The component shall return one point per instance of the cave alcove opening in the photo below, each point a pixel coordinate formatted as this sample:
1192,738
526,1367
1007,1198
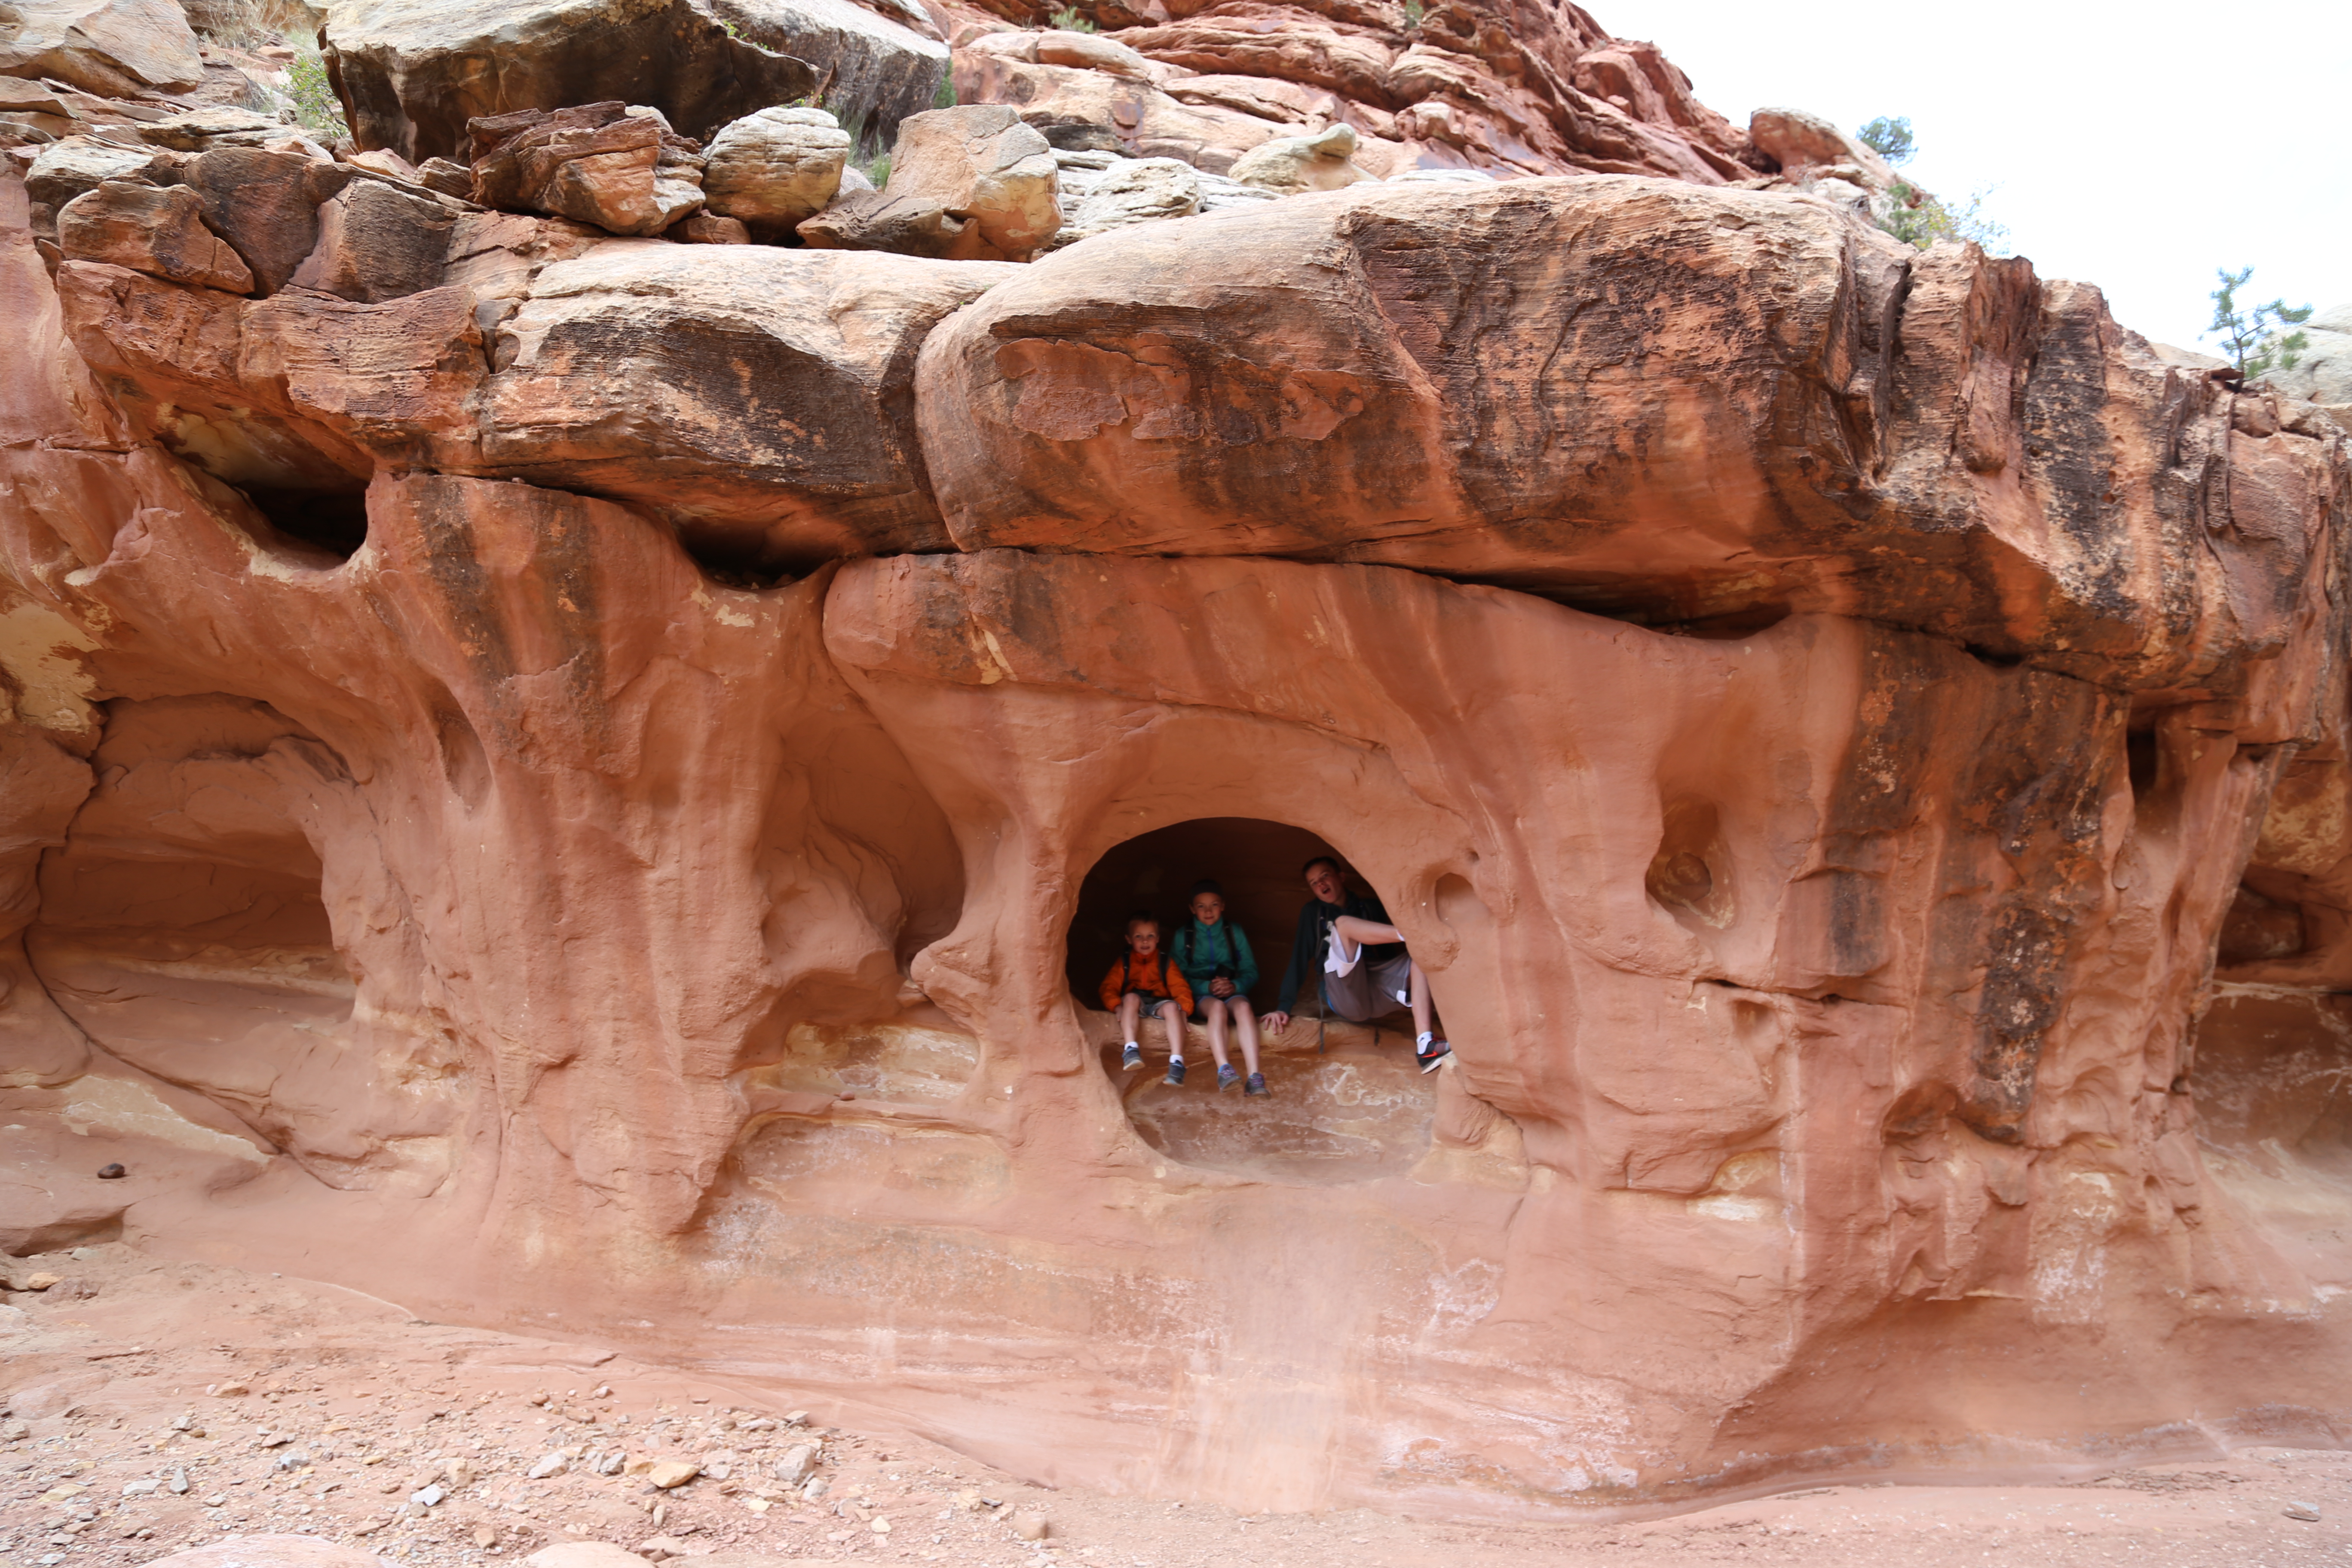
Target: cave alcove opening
334,521
184,926
1346,1102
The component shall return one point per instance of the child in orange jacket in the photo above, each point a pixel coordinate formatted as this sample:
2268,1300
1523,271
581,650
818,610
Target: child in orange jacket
1144,976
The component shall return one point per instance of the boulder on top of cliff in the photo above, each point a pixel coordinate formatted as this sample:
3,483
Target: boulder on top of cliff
2322,372
772,168
1132,191
67,168
1449,370
970,184
1078,109
605,164
446,175
221,125
762,397
1290,166
413,73
1060,47
1800,141
158,230
116,49
873,70
377,242
265,202
710,229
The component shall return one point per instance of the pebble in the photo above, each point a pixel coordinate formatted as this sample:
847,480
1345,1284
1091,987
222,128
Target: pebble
668,1474
2302,1510
1029,1526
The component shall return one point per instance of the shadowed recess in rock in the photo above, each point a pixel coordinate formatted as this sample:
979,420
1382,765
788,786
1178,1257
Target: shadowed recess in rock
1348,1101
1257,862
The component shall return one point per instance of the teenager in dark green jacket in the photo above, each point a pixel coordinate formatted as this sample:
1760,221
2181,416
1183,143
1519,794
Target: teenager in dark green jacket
1215,957
1347,947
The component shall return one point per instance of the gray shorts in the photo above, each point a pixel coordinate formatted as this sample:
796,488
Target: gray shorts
1369,990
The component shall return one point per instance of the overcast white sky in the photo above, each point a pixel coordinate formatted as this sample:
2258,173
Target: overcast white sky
2135,146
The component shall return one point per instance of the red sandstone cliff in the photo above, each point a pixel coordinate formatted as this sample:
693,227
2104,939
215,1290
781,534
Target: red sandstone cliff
583,757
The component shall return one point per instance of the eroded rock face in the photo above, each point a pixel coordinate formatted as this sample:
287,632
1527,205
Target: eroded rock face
542,745
599,163
971,184
414,74
763,398
109,46
1292,165
411,80
774,168
160,232
1133,191
1721,429
1528,90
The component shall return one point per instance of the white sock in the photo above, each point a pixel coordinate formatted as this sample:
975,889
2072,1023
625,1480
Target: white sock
1421,1041
1176,1058
1133,1046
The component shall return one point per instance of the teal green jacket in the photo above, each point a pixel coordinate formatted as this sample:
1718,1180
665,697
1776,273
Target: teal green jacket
1198,949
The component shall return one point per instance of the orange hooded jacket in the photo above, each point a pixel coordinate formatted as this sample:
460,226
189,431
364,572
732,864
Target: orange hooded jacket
1155,975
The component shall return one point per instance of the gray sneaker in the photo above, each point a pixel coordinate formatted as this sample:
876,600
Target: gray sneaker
1228,1078
1256,1085
1175,1074
1130,1058
1433,1058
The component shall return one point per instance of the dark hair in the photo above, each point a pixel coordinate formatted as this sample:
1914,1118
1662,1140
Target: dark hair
1330,861
1203,886
1146,917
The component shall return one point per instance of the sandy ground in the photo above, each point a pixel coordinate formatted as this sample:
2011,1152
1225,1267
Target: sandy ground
155,1405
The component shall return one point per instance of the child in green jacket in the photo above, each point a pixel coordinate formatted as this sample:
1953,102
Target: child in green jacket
1215,957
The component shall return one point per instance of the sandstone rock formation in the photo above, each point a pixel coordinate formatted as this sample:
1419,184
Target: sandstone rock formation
1795,140
1128,191
156,231
970,184
1525,88
772,168
1769,450
601,164
412,80
111,47
2323,369
569,776
1291,165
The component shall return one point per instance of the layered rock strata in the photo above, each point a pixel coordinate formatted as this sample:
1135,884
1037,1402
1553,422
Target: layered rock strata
581,758
411,81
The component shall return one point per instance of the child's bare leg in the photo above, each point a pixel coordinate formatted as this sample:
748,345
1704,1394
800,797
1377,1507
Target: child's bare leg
1421,1010
1173,1016
1366,933
1245,1025
1213,1009
1131,1013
